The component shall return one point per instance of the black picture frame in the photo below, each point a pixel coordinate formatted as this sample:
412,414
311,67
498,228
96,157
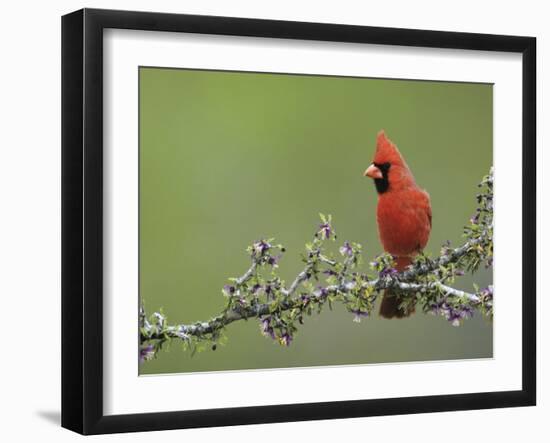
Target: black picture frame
82,220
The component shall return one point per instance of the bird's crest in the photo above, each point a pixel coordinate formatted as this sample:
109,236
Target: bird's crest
387,152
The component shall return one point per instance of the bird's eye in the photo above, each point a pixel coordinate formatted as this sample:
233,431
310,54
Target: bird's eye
383,166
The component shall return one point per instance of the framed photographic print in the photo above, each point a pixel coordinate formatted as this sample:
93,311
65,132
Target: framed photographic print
269,221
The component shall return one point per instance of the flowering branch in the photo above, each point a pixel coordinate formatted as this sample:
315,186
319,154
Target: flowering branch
260,293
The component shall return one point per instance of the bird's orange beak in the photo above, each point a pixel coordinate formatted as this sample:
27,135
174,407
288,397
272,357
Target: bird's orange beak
373,172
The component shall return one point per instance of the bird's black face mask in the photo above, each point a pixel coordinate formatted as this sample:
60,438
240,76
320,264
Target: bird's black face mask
382,184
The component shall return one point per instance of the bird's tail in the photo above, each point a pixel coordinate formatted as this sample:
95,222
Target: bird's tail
389,308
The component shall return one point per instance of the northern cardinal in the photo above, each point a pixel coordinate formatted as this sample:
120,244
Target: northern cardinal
403,214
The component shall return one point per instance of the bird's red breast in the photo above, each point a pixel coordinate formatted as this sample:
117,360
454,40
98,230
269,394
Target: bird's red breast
404,221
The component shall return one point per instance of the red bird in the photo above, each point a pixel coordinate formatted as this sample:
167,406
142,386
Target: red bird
403,214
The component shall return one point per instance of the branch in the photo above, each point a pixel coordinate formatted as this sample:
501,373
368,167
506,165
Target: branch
280,308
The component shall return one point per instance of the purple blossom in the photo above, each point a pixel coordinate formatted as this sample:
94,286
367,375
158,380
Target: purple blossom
487,292
326,230
446,247
329,272
437,308
146,353
453,314
459,272
266,328
273,260
229,290
256,289
388,272
457,314
321,292
376,262
358,314
260,247
467,311
454,317
346,249
285,339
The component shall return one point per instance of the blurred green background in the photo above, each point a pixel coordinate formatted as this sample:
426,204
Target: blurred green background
230,157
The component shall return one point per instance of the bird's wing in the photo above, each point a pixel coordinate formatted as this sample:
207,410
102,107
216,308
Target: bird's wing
427,205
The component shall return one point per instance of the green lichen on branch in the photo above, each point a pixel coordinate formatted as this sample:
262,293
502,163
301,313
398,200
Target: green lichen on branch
326,279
